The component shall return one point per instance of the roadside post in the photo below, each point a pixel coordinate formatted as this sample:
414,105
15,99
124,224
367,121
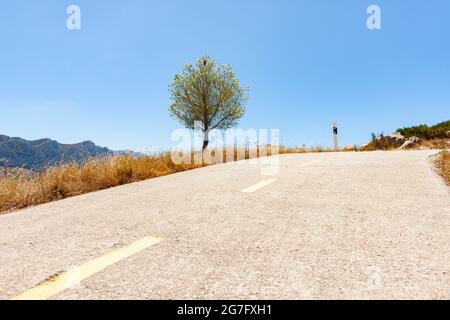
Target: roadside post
335,135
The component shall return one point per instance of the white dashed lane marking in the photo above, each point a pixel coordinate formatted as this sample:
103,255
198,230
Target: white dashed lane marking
258,186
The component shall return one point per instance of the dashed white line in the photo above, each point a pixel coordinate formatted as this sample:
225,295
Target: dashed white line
259,185
309,163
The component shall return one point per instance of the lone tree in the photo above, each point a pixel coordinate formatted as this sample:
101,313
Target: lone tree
210,93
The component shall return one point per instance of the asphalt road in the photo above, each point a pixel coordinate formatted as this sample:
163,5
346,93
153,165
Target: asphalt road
326,226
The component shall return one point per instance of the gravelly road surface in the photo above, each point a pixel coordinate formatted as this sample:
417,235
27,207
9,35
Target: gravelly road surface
331,226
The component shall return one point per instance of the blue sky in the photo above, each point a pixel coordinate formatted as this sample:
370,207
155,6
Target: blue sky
307,63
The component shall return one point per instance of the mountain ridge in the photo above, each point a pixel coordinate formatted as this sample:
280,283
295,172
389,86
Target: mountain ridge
16,152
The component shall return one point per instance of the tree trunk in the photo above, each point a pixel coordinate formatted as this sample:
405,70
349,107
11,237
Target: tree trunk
205,139
205,144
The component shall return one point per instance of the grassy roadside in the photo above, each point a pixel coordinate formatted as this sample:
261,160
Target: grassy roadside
442,163
23,188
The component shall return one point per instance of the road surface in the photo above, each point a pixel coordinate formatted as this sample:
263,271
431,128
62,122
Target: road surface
326,226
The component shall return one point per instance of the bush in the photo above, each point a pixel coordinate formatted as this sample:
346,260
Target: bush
382,142
439,131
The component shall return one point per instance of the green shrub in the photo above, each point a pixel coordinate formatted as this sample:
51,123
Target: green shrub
382,142
439,131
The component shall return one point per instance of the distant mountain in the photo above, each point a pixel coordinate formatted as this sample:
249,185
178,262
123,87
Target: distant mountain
38,154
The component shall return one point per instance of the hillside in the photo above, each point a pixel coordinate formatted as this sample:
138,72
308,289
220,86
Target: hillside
438,131
415,137
38,154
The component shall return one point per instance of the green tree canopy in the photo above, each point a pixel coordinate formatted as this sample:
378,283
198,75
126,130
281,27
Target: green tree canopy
208,92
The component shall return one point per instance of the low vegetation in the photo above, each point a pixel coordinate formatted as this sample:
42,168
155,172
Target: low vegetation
434,137
443,165
382,142
21,188
438,131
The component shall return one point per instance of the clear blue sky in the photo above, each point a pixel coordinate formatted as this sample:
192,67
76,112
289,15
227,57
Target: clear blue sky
306,63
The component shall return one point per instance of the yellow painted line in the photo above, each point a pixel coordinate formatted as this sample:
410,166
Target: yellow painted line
259,185
310,163
66,280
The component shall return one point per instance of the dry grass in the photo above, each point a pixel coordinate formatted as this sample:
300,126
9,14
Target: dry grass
443,165
21,188
313,149
434,144
386,143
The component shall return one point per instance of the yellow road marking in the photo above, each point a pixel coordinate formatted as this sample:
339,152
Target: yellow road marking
310,163
64,281
259,185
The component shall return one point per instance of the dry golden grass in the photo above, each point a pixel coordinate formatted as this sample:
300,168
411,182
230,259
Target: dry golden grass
22,188
388,143
443,165
313,149
434,144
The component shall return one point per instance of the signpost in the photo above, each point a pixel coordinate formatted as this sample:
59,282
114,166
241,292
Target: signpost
335,135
